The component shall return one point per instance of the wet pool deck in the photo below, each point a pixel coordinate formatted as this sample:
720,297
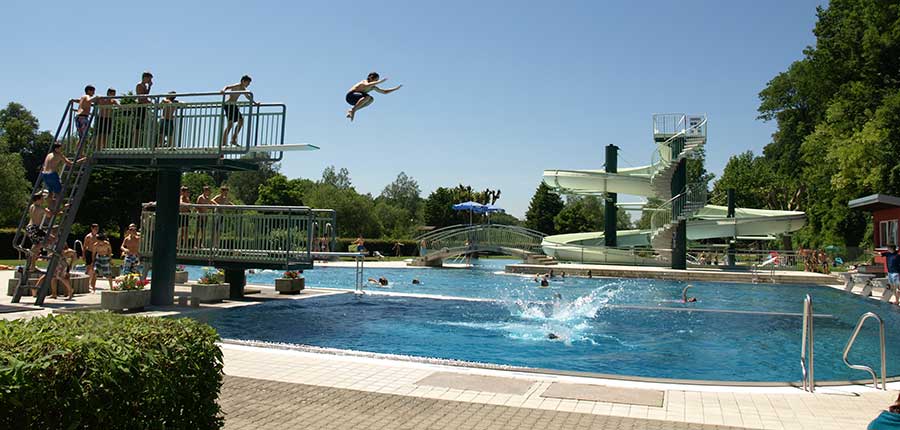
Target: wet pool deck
267,387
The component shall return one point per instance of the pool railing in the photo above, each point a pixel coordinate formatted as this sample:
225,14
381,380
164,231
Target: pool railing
255,236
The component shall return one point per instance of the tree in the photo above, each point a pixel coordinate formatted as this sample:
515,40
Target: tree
439,209
586,213
279,191
505,219
339,180
542,210
113,199
355,212
403,193
195,181
14,188
19,134
245,185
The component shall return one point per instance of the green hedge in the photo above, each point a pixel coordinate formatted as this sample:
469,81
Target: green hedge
386,247
100,370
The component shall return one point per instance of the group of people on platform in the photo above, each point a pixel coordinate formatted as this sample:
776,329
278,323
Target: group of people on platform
143,108
815,260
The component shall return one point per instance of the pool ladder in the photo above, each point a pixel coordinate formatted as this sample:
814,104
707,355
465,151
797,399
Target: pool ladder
806,360
807,354
859,325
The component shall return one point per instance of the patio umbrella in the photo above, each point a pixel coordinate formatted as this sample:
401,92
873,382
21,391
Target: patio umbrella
469,206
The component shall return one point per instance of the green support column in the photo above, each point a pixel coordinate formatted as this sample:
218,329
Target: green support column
237,279
679,238
729,259
609,215
165,237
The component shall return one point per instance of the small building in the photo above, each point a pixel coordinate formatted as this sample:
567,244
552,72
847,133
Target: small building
885,218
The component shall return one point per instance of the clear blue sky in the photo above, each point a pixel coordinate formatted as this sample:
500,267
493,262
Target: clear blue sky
494,91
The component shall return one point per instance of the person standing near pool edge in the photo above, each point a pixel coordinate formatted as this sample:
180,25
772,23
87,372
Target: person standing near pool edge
358,97
892,261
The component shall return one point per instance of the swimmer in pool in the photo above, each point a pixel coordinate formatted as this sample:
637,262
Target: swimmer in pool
552,336
416,281
544,283
685,298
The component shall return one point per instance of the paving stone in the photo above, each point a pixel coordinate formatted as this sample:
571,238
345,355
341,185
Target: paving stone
254,403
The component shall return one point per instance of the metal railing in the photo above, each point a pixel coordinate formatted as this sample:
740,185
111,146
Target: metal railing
850,342
193,126
676,128
281,235
807,360
469,238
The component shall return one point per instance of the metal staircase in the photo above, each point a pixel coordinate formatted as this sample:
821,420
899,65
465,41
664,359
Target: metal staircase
678,136
63,208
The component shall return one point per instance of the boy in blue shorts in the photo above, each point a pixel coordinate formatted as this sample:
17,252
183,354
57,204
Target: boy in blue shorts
50,171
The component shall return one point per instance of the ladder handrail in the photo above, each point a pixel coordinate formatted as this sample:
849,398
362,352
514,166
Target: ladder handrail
850,342
809,380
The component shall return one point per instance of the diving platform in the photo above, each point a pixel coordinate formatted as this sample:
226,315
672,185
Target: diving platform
242,237
170,134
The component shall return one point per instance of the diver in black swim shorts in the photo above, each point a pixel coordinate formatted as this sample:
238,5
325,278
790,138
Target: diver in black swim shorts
140,112
232,110
359,96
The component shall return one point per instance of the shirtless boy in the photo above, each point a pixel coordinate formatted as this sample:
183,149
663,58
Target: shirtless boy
131,246
202,199
37,213
232,110
359,96
89,240
184,207
102,255
50,171
103,123
167,122
142,88
222,200
83,115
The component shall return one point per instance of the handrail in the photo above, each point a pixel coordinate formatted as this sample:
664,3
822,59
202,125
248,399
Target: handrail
859,325
809,379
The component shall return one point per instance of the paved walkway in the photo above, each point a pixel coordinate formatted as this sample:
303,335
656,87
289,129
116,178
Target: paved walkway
749,407
260,404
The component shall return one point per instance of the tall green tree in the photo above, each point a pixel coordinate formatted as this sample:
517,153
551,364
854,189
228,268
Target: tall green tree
543,209
19,132
195,181
14,188
587,213
404,193
244,185
339,179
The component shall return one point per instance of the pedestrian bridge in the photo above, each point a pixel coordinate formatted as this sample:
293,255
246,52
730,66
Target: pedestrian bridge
462,240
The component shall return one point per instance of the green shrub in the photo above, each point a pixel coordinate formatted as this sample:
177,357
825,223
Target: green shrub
384,246
99,370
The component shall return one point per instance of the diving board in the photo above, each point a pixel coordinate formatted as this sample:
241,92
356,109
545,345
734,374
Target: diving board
284,148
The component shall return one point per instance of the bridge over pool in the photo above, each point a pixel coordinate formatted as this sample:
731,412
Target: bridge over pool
462,240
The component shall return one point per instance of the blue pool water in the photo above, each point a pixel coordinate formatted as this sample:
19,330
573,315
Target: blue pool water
632,327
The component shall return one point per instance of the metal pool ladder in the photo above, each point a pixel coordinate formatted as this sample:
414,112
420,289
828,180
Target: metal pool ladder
806,361
859,325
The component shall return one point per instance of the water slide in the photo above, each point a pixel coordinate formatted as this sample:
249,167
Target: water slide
710,222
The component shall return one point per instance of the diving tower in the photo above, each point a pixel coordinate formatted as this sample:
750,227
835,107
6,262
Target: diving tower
679,138
170,139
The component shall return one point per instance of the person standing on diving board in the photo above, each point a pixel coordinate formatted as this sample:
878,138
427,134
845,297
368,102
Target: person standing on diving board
359,96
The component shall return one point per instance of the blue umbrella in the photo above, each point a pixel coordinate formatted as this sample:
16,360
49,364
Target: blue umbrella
489,209
469,206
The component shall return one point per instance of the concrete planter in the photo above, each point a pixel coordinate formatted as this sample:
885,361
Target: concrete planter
209,293
132,300
290,286
181,276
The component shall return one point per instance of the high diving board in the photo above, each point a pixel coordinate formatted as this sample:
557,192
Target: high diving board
284,148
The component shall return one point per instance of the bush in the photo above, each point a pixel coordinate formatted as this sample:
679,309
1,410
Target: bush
99,370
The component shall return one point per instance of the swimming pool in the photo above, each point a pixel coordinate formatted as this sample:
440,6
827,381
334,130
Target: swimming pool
628,327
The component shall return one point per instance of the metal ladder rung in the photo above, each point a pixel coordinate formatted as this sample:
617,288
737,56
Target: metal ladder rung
850,342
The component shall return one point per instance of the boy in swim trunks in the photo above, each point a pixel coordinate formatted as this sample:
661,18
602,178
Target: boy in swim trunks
89,240
83,114
359,96
103,123
102,255
232,110
167,122
142,88
37,213
50,171
202,217
131,245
